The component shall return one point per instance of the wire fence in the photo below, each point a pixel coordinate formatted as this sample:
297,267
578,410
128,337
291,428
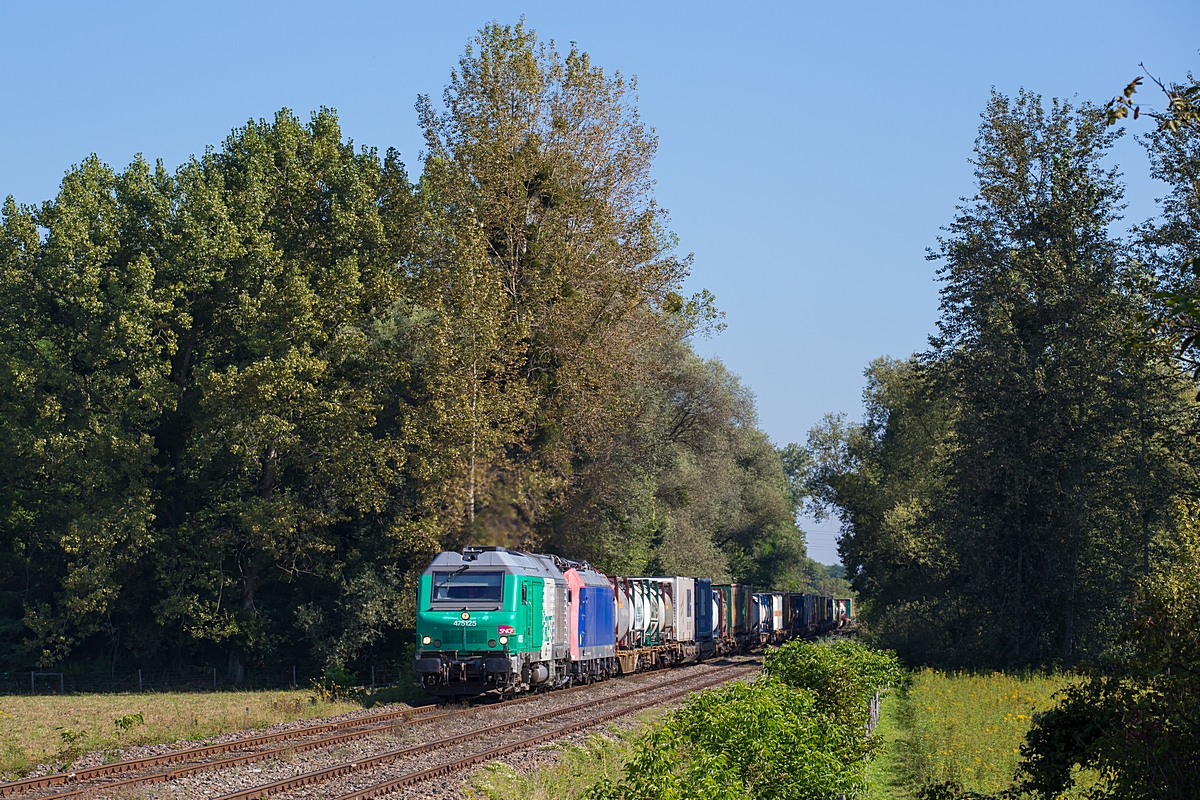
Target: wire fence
194,679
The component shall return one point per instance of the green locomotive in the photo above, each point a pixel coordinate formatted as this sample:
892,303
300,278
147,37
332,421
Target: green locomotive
489,619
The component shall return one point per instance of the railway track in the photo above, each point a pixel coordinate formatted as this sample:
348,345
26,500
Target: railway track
90,773
99,780
393,783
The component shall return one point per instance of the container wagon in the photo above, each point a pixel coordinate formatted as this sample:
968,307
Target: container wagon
736,631
662,628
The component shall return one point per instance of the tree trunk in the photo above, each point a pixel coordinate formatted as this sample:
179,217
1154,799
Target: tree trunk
237,670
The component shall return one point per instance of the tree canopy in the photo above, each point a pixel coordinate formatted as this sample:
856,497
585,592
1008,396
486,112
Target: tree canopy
244,402
1010,485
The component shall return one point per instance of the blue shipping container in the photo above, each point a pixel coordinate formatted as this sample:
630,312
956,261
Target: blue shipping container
597,623
704,609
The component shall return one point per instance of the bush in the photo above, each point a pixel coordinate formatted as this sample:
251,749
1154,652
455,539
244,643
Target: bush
336,683
843,674
1139,730
796,733
762,740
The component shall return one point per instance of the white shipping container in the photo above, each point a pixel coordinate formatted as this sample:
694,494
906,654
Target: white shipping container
684,590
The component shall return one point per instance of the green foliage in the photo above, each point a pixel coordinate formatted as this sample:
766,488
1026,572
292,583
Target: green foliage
1170,245
798,731
1009,486
1135,723
747,740
1183,105
885,477
336,683
842,675
1137,729
128,722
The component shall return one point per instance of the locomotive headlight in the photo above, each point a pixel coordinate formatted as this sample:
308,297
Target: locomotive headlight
437,642
491,642
465,615
503,640
426,639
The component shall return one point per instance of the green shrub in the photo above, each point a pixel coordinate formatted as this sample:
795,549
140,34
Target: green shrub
129,721
843,674
760,740
336,683
1139,730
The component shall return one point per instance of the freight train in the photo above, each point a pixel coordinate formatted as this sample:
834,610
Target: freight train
497,621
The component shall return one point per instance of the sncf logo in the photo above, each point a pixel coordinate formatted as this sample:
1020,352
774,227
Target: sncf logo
503,629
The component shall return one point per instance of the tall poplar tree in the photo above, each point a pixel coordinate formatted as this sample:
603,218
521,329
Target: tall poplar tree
547,161
1010,485
1066,455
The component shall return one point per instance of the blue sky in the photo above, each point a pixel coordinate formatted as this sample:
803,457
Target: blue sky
808,154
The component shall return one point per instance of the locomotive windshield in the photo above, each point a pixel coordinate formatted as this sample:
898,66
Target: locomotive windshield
469,586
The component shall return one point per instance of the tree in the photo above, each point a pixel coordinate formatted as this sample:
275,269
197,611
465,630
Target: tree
886,477
1022,465
1171,245
548,163
1137,727
1064,453
86,334
198,350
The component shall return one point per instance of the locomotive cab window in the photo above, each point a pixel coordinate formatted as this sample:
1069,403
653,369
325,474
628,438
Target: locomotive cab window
468,587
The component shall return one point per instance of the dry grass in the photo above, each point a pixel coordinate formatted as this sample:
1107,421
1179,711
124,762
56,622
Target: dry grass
56,729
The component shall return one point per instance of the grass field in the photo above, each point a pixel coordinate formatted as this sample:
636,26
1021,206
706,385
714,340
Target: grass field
579,767
965,729
886,775
56,729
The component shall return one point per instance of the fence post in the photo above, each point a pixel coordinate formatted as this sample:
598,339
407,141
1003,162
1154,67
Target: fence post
32,684
372,679
293,676
214,678
139,680
61,690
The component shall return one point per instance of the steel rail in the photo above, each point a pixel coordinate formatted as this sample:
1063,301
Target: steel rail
347,767
412,778
59,778
424,716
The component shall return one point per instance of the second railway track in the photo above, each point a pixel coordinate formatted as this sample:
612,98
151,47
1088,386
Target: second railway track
381,773
417,777
113,779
